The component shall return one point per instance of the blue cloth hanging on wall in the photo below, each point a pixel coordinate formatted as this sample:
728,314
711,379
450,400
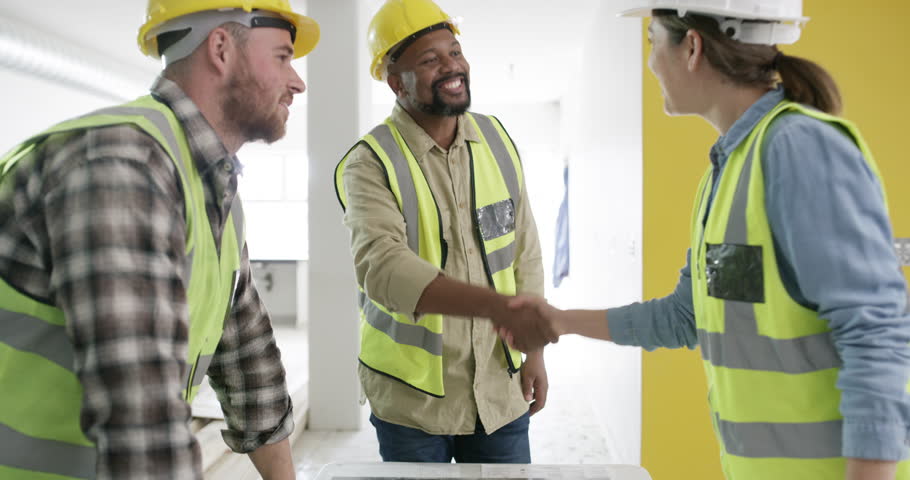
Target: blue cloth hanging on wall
561,258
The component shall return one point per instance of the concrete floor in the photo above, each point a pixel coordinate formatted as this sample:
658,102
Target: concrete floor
565,432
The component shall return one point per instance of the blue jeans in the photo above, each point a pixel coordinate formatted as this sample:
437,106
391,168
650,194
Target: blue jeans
509,444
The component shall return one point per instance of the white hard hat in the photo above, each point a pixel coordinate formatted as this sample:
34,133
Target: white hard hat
768,22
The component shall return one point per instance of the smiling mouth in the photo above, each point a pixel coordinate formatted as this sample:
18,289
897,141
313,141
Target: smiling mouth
453,85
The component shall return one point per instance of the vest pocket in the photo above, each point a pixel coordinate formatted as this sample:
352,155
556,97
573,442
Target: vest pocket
735,272
496,220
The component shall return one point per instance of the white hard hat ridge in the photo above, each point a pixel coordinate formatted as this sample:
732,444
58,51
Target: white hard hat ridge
768,22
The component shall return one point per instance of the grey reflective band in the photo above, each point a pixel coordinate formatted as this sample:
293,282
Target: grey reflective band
383,135
202,366
741,346
782,440
807,354
401,333
737,233
501,259
46,456
496,220
33,335
237,216
500,152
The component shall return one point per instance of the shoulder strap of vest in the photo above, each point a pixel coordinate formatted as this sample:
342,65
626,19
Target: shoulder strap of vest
844,124
146,113
504,150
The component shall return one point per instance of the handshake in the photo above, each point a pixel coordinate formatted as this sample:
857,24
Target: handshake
527,322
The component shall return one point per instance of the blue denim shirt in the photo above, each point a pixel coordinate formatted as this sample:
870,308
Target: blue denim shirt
835,255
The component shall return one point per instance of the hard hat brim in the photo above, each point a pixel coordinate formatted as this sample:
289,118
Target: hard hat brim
308,33
646,12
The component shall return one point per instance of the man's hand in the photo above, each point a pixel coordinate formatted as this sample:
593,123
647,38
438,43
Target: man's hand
862,469
529,323
534,382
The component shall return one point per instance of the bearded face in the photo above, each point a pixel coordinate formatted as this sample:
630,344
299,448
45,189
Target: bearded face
257,111
442,103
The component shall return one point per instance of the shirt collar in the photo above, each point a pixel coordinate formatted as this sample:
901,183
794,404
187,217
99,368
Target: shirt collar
205,145
744,125
420,142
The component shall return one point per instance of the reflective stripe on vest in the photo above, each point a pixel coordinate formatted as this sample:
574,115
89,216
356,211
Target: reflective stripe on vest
34,335
408,192
419,210
47,456
403,333
782,440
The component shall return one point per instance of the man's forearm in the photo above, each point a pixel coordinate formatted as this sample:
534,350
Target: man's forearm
452,297
274,461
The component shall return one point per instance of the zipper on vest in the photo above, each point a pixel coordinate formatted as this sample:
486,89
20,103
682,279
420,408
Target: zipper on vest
483,252
191,377
511,368
696,262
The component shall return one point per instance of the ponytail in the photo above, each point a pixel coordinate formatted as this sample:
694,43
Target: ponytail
808,83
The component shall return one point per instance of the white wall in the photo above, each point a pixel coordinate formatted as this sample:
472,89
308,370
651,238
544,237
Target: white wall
31,104
336,71
601,137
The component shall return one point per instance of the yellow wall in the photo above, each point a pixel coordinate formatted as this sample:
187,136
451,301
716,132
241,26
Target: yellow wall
865,47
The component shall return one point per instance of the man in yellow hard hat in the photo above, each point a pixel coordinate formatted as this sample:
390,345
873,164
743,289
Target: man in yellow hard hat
442,237
124,273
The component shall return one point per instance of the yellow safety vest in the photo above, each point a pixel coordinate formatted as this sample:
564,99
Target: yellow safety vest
40,406
390,343
770,362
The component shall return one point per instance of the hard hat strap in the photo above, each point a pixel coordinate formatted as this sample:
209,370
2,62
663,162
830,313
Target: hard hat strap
194,28
407,41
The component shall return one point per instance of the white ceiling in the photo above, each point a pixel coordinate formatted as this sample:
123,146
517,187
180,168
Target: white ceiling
520,50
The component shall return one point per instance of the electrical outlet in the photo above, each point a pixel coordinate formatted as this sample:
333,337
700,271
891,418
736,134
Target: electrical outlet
902,247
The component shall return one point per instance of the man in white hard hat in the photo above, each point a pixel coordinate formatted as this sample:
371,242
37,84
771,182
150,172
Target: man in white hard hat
442,236
124,273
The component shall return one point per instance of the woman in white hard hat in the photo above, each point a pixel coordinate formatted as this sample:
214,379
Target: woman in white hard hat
791,288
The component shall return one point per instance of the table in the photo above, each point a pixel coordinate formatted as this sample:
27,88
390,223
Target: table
477,471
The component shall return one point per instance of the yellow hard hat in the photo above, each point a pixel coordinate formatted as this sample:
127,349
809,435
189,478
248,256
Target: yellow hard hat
397,20
161,11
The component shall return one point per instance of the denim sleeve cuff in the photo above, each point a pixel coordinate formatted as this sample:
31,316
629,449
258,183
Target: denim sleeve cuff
621,326
875,440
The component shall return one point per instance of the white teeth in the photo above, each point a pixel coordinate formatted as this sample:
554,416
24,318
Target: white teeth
453,84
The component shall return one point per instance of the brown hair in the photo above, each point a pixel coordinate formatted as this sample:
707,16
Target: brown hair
749,64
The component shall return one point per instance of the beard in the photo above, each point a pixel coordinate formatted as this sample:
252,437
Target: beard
439,107
247,107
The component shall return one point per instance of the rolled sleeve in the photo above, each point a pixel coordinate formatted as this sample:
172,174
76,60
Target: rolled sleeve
386,268
247,374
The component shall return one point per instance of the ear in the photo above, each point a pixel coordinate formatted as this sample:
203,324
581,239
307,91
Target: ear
694,50
220,50
394,82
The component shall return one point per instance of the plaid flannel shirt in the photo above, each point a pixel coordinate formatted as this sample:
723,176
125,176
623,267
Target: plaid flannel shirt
93,223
